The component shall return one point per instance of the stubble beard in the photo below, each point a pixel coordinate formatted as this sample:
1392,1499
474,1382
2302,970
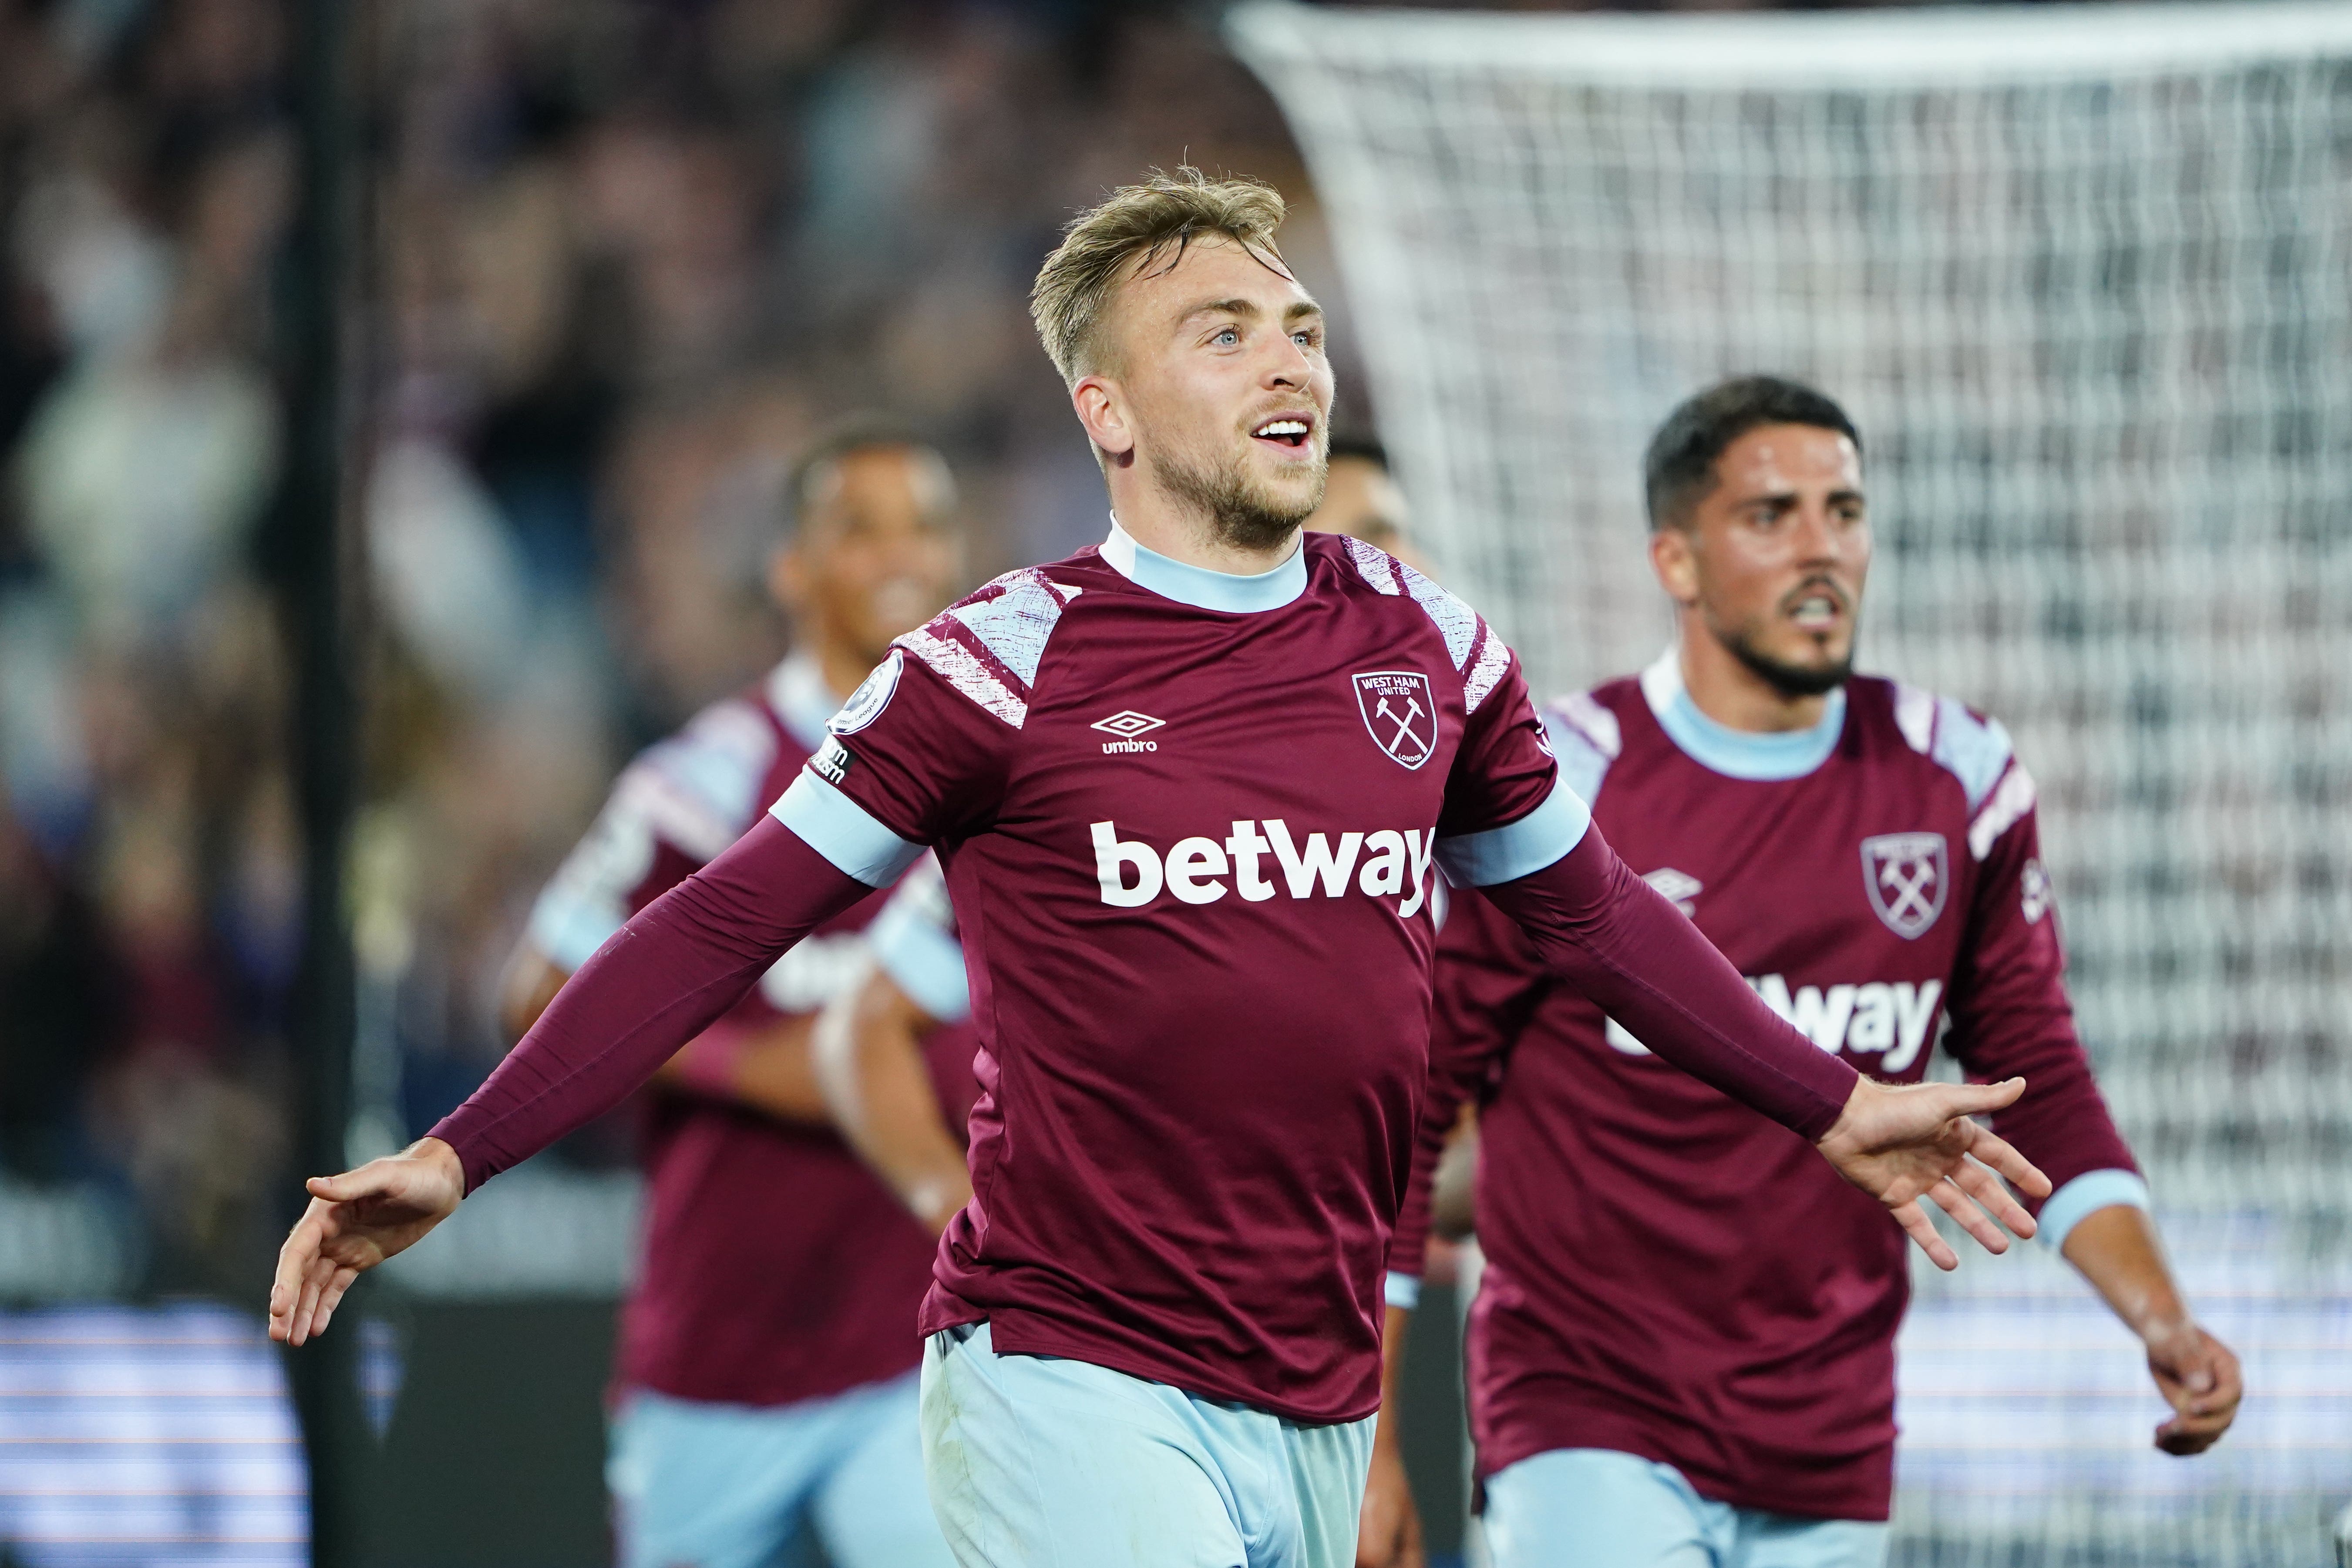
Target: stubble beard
1243,514
1790,680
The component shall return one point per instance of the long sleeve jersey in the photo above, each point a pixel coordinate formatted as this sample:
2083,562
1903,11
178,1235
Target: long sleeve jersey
1667,1274
1191,825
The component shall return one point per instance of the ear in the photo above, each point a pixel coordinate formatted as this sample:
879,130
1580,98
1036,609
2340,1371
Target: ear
788,583
1102,409
1674,556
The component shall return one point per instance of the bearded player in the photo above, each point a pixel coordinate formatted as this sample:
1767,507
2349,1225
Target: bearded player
765,1381
1191,789
1669,1368
879,1044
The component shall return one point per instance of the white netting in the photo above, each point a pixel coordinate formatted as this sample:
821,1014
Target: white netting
2083,276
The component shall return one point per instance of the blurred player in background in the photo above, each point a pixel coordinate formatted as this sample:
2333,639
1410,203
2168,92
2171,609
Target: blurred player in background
766,1370
1669,1367
1190,788
1360,499
878,1043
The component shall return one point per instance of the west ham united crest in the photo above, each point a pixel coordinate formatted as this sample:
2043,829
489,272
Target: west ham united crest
1905,875
1399,712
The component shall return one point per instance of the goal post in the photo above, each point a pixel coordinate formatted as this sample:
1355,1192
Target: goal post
2083,276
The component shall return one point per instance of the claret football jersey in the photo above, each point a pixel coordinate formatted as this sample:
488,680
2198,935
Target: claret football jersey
1193,825
1668,1273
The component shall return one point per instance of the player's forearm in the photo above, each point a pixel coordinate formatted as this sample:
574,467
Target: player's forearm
870,1068
2117,1250
766,1066
1613,936
1409,1244
907,1143
1454,1198
672,971
1389,1432
529,984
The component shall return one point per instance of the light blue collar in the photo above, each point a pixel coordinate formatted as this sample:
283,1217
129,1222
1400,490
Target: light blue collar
1197,586
1757,756
798,692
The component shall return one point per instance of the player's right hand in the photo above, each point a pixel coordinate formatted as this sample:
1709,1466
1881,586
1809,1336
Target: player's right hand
2200,1378
1901,1142
354,1221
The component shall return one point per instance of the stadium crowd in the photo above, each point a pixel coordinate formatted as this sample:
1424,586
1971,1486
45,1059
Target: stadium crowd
620,261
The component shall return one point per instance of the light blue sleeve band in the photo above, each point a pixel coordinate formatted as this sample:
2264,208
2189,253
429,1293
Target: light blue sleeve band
2071,1205
838,828
926,961
1520,850
1401,1291
569,929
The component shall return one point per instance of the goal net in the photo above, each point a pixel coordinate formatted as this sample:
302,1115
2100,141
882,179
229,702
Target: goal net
2083,276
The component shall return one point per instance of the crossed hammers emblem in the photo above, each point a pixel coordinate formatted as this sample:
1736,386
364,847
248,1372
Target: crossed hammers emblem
1404,725
1910,894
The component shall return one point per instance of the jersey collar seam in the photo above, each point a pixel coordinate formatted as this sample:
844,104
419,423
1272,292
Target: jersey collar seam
1226,592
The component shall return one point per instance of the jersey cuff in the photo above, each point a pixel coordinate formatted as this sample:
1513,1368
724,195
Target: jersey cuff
1521,848
569,930
1401,1291
926,963
838,828
2071,1205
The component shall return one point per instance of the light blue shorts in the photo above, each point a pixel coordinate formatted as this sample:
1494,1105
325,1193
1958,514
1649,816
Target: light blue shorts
1040,1462
1594,1507
735,1486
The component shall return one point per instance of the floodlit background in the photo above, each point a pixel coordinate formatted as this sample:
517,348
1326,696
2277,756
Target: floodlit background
613,261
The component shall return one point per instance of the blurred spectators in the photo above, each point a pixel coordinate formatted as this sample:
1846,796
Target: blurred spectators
621,258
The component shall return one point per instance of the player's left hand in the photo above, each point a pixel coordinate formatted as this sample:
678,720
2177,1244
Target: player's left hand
1901,1142
2199,1377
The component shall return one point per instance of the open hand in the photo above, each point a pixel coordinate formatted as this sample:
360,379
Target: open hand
2199,1376
354,1221
1901,1142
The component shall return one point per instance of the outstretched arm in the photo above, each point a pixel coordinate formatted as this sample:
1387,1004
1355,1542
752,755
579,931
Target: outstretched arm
767,1065
1607,931
665,977
681,963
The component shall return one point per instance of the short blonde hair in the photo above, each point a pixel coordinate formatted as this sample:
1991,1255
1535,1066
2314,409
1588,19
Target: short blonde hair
1139,221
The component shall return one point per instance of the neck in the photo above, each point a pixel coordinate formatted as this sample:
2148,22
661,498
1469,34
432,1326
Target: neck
843,663
1733,695
1182,531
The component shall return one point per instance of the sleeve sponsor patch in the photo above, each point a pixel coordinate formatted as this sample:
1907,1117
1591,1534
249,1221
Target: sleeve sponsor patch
832,761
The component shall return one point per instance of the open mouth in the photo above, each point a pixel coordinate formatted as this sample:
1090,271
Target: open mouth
1291,430
1817,610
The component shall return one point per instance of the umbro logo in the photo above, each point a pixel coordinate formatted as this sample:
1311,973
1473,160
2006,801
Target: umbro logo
1129,727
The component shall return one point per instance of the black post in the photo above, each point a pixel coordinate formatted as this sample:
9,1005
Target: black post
316,580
